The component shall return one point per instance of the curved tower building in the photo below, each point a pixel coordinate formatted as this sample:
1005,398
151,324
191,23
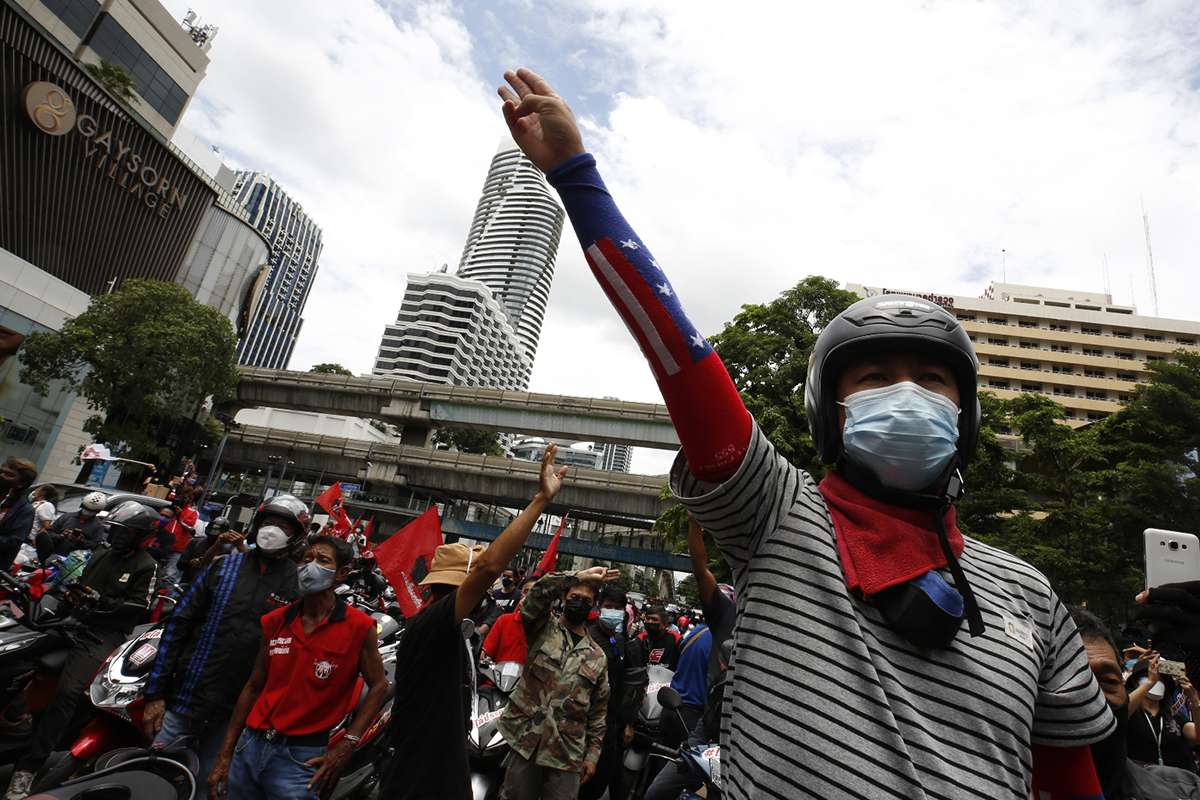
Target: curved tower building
513,241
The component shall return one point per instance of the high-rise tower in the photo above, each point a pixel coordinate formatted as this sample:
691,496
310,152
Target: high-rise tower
295,247
513,241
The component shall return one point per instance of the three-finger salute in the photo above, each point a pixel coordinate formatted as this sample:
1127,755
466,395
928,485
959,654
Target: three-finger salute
541,123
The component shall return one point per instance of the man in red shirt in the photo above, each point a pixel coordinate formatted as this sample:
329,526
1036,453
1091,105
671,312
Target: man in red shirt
506,640
304,683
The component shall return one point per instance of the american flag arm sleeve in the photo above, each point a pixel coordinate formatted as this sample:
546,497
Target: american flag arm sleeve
709,416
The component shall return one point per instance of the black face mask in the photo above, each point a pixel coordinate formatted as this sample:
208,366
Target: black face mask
1109,756
576,610
122,540
653,628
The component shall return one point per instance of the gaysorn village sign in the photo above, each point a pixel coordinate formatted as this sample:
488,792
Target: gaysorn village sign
52,111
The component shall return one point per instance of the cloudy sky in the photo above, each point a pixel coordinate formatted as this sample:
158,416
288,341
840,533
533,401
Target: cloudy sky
751,144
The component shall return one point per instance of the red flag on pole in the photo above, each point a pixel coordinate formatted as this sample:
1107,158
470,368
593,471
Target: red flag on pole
551,557
404,558
331,500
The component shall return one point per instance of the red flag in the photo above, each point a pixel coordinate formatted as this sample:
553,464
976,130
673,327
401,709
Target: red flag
551,557
405,558
331,500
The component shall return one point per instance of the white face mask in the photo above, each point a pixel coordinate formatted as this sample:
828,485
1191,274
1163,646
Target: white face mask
1157,691
271,539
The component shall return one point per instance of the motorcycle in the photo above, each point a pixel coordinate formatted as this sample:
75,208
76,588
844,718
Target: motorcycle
701,762
486,748
116,691
646,731
133,773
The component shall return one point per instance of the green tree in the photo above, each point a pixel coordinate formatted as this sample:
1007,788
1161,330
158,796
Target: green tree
329,368
687,593
467,440
766,349
145,358
114,78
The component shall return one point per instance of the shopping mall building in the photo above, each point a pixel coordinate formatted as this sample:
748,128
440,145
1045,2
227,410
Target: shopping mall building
92,192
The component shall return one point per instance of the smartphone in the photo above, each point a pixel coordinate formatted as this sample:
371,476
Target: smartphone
1171,557
1176,669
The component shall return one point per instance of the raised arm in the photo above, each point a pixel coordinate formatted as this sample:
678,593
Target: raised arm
493,561
706,582
713,425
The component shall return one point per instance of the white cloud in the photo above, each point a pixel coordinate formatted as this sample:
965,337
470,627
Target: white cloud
902,144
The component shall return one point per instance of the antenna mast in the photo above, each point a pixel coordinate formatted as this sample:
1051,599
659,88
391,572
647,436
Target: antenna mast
1150,259
1003,265
1107,285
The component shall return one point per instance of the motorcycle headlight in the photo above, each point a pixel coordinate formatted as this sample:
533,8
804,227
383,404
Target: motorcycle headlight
112,696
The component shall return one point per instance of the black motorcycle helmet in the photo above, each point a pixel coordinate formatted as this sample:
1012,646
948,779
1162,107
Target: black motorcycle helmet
139,518
220,525
890,320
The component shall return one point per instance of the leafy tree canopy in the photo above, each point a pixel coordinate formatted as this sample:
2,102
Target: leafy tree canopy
329,368
145,358
115,78
469,441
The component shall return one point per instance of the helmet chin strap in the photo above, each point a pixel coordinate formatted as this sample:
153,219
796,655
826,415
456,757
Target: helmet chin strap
952,487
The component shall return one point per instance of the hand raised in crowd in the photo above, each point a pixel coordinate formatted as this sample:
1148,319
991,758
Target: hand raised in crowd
551,479
598,574
1172,613
540,121
329,766
1189,691
1152,672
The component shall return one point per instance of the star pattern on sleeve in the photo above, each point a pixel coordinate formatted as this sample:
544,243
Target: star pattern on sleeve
630,244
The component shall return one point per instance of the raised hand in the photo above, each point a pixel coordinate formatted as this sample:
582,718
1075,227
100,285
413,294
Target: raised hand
550,480
598,574
541,123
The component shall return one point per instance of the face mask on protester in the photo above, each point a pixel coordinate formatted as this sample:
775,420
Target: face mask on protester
122,540
271,539
612,619
653,628
576,609
313,578
904,433
1157,691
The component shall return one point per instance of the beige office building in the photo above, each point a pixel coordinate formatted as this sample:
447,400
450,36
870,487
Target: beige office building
1079,348
166,58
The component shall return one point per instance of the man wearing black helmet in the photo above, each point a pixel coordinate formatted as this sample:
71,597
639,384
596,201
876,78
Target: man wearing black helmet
111,596
867,571
202,660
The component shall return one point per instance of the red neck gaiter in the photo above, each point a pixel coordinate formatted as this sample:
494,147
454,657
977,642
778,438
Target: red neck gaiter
882,545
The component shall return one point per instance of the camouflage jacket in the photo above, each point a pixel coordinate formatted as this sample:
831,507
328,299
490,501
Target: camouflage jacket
558,708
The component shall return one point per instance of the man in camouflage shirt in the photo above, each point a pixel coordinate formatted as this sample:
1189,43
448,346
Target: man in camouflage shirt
554,721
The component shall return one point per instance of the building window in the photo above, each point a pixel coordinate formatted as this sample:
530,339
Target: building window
1152,337
1122,334
1122,398
1031,387
1056,326
997,320
1090,331
997,362
1094,395
76,14
998,341
1096,416
1183,341
1126,376
1064,391
114,44
1026,323
1093,373
965,317
1123,354
997,384
1030,365
1029,345
1061,369
1060,348
1093,351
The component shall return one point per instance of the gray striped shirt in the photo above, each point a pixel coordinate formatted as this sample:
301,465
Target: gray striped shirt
826,701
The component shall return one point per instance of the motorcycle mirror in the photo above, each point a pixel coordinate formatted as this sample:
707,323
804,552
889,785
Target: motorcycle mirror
467,628
669,699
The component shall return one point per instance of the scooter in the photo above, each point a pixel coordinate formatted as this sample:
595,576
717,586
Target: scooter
133,774
702,762
646,730
486,748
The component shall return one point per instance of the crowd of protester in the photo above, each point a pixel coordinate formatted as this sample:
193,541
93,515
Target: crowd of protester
869,648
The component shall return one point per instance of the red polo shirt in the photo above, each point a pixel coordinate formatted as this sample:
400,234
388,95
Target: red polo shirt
313,680
506,640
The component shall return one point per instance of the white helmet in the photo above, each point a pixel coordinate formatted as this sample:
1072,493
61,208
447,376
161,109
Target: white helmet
95,502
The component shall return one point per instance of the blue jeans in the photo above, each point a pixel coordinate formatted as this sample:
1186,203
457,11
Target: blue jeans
204,740
266,770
